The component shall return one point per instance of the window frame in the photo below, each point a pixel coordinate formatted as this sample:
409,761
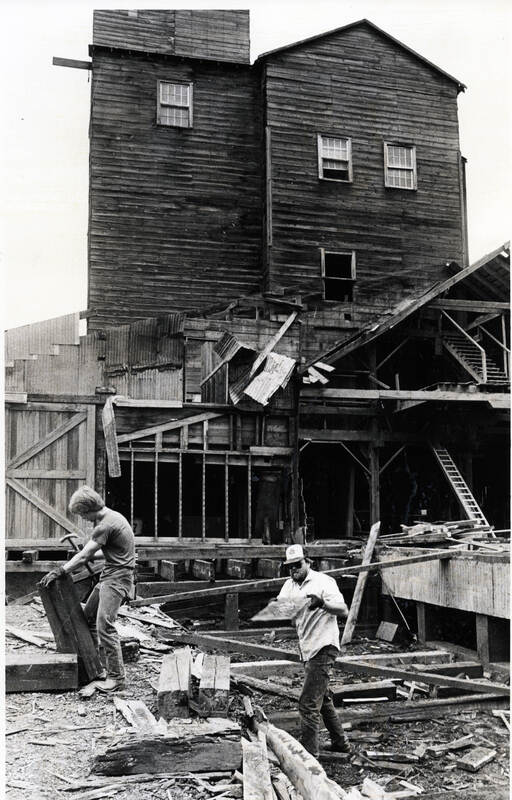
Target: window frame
412,169
352,253
160,105
348,140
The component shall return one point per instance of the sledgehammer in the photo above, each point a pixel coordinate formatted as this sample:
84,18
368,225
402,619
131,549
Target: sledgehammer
70,537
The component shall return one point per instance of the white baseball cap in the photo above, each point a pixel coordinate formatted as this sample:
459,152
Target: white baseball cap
294,553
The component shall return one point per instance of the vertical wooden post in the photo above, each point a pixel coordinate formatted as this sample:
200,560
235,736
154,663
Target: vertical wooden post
203,500
504,340
349,522
249,498
231,612
361,583
132,483
482,638
180,495
158,446
422,622
374,484
226,498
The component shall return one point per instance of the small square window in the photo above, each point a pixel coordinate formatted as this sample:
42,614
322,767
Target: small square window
338,275
174,104
334,158
399,166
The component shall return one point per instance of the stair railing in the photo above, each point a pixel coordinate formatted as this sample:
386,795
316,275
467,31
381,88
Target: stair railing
506,351
466,334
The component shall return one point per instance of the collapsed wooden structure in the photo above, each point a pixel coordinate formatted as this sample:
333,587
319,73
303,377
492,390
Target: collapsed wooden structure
237,390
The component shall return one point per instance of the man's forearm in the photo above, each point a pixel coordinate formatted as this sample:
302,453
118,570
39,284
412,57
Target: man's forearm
75,562
339,609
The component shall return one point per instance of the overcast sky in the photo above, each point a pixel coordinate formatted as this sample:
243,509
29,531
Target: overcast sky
46,115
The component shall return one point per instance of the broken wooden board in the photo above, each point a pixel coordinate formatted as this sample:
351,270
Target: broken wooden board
213,697
174,684
437,750
476,759
257,669
188,746
137,714
362,578
41,672
256,771
366,668
387,631
225,645
69,626
25,636
398,711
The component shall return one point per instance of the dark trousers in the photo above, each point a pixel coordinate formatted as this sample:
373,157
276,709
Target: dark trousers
101,611
315,702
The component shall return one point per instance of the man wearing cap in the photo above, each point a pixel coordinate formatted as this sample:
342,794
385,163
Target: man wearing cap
316,602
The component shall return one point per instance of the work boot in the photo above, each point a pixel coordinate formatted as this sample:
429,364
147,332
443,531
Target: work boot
110,685
340,745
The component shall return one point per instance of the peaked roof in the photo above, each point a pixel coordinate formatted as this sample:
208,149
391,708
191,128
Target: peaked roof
460,86
403,310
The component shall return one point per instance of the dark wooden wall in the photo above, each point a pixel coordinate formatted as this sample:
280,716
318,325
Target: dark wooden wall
175,213
213,34
359,84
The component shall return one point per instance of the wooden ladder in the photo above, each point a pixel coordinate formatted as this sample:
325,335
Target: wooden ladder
459,485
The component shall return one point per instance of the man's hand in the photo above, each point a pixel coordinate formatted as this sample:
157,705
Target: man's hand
52,576
315,602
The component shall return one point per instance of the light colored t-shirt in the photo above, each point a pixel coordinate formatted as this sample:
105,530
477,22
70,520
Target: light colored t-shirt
117,541
316,628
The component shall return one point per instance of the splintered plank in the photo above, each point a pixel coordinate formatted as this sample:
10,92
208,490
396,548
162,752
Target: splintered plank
214,687
69,626
40,672
194,746
137,714
256,771
174,684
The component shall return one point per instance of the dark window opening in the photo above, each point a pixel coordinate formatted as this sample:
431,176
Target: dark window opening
339,272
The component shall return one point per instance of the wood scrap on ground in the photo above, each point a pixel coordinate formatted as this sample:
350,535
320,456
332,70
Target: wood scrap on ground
40,672
174,684
476,759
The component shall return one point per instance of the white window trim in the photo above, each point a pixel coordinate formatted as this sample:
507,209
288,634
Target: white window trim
325,277
412,169
320,136
161,105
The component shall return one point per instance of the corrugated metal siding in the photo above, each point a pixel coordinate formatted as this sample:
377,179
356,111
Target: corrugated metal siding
357,84
41,337
212,34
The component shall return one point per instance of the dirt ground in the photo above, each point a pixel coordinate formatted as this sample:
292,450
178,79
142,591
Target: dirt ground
51,738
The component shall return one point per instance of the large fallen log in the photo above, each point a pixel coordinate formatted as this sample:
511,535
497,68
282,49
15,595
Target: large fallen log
303,770
275,583
188,746
256,771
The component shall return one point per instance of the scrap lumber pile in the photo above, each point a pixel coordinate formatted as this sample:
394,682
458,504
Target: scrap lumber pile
467,531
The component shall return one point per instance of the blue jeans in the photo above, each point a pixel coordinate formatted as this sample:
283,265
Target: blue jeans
101,611
316,703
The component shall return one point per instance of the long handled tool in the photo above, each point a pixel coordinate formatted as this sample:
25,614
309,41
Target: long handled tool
70,537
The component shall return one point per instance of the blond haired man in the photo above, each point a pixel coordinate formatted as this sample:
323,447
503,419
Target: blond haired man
113,535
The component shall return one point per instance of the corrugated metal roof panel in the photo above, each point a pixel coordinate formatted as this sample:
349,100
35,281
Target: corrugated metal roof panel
275,375
40,337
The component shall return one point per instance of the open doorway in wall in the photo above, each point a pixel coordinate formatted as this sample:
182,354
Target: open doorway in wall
333,493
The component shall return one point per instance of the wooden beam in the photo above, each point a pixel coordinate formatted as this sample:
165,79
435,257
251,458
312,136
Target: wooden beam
47,440
36,501
437,395
172,425
477,306
40,672
365,668
69,626
276,583
71,62
174,684
273,341
360,586
344,435
482,638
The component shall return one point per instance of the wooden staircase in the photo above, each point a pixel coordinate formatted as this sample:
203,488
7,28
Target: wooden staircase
459,485
473,359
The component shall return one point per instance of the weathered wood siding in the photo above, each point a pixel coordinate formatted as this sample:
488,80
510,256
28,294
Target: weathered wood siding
360,85
174,213
470,583
213,34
